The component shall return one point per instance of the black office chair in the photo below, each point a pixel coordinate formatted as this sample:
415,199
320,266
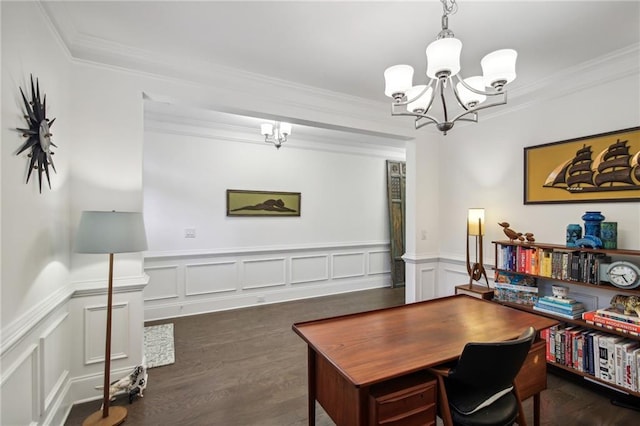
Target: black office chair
479,389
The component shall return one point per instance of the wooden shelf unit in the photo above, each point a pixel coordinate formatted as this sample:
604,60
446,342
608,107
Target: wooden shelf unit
577,322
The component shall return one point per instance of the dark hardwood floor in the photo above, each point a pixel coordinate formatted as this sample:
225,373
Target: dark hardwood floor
246,367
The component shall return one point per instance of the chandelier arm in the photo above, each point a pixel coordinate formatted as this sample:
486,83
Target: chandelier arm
444,102
407,101
411,114
480,92
417,116
481,106
457,95
421,125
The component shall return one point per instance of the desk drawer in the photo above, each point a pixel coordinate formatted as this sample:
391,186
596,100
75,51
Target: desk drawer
407,401
532,377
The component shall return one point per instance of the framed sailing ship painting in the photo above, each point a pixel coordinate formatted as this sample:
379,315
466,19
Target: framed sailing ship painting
598,168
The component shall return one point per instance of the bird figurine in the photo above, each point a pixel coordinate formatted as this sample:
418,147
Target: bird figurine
529,237
510,233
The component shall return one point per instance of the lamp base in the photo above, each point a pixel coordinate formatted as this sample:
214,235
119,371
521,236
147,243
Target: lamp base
117,415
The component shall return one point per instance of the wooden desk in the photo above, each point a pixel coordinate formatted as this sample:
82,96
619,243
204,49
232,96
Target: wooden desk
349,354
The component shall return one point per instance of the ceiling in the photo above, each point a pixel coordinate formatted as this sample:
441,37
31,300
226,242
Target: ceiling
346,46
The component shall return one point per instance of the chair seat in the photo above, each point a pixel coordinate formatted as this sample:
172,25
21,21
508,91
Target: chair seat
502,412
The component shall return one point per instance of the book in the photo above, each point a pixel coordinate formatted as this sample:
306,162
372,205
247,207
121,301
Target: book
564,307
637,362
562,300
621,349
546,310
618,314
588,353
606,350
514,293
623,327
545,262
576,353
633,360
596,353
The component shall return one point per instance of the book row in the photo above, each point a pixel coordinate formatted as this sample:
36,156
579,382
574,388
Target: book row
553,263
612,359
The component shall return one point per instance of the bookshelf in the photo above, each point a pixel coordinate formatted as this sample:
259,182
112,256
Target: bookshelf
572,334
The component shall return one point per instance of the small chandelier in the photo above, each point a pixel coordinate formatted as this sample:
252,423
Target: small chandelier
443,63
275,133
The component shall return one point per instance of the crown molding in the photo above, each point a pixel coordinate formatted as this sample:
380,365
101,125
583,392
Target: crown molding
262,89
616,65
224,132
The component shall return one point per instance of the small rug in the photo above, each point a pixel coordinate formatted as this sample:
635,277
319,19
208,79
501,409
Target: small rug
158,345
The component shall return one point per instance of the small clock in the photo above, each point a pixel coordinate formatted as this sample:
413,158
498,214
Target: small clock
621,274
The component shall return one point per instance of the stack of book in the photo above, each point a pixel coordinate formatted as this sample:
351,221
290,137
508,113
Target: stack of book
614,319
560,306
515,288
610,358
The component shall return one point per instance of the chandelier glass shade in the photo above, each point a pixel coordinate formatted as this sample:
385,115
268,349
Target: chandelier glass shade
276,133
467,96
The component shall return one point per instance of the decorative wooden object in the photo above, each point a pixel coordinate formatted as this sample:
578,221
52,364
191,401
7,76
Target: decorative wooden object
510,233
475,227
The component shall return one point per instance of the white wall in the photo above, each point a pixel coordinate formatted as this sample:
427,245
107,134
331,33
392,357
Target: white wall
339,243
481,165
35,227
186,178
49,355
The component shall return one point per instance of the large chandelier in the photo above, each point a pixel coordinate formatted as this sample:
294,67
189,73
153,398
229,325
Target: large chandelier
443,63
275,133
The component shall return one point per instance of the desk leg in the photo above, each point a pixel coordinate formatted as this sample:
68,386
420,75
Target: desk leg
311,373
536,409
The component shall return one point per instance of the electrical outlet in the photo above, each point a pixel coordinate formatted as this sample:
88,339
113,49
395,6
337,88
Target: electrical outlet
190,232
261,299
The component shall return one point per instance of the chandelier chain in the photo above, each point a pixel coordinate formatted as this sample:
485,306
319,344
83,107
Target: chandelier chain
449,7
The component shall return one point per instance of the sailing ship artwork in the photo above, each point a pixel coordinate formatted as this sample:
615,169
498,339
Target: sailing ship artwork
598,168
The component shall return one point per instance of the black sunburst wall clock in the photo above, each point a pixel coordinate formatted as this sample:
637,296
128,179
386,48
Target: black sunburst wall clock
38,134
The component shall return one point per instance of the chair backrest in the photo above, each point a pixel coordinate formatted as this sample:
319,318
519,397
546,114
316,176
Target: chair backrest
485,369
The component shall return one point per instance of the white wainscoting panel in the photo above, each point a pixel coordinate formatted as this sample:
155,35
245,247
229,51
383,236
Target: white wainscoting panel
95,319
380,262
260,273
230,279
427,284
306,269
348,265
19,389
214,277
54,353
165,280
453,274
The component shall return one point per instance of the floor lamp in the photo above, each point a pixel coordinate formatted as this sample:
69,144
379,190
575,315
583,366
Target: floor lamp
475,228
109,233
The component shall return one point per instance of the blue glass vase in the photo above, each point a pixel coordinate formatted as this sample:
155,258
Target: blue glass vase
592,225
574,233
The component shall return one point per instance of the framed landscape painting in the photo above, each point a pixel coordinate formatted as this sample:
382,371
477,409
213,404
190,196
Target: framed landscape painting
262,203
598,168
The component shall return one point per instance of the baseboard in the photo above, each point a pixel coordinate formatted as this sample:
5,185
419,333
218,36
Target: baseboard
180,308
